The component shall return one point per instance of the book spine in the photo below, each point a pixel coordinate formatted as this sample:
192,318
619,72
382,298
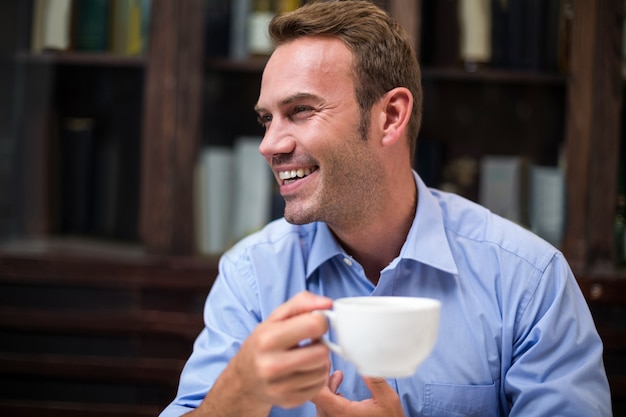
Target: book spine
238,48
76,142
133,44
36,41
475,25
118,27
547,203
253,187
516,33
502,186
92,24
217,17
57,22
146,13
499,33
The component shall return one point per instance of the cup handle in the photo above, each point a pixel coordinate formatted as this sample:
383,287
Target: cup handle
330,315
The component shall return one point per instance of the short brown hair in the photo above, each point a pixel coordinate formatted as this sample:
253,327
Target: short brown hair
384,57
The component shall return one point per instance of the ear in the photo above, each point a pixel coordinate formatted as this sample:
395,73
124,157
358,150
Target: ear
395,112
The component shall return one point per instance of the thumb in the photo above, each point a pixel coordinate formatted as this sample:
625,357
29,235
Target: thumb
378,387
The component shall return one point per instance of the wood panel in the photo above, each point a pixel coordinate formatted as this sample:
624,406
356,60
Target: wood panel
607,110
171,126
593,131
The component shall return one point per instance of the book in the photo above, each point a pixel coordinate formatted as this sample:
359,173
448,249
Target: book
440,33
525,34
252,188
51,25
284,6
515,34
125,130
106,185
117,162
502,186
134,35
475,31
217,18
126,33
499,33
37,25
214,199
547,204
146,13
534,43
238,46
92,25
259,18
551,35
76,152
233,194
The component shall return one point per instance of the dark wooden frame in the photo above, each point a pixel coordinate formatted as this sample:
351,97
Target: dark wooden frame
593,134
171,126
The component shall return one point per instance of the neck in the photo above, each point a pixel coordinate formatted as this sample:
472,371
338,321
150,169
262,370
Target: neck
377,240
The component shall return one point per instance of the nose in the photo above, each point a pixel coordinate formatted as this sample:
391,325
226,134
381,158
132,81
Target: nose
277,140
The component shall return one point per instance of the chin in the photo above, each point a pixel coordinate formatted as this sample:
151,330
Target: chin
296,215
296,219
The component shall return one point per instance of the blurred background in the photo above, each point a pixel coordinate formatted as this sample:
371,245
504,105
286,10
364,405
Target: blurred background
129,163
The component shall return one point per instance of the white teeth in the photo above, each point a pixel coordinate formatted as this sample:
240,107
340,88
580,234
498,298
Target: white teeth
299,173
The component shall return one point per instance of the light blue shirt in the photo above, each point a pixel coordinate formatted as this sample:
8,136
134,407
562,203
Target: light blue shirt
516,337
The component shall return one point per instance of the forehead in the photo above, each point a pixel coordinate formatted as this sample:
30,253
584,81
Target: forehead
313,66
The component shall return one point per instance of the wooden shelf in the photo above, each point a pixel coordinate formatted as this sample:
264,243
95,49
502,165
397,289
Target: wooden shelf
253,65
99,59
66,409
493,75
88,368
98,264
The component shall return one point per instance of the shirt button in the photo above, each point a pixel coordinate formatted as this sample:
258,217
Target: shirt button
347,261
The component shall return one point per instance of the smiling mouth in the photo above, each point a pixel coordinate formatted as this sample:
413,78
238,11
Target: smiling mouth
293,175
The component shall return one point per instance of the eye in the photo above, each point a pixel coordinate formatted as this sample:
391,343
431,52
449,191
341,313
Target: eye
301,112
264,119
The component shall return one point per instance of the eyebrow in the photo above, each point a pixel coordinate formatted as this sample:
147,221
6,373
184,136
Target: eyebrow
288,100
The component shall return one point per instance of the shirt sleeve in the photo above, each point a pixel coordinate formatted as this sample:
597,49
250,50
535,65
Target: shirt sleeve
230,313
557,366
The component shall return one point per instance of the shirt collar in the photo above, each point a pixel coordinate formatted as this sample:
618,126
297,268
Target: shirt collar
323,247
426,243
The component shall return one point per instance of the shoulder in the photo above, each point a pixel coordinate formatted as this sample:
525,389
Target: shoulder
472,227
266,268
279,248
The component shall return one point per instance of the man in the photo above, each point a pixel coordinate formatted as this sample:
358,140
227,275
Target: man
340,101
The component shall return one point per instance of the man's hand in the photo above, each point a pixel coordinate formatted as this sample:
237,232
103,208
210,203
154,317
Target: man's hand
273,366
384,402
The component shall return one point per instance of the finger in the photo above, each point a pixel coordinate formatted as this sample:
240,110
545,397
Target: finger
379,388
288,333
279,365
301,382
327,400
335,381
303,302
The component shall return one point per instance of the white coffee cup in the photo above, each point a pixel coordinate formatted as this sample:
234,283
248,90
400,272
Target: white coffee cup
384,336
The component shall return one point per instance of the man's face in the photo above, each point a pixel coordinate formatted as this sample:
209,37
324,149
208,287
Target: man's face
325,169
